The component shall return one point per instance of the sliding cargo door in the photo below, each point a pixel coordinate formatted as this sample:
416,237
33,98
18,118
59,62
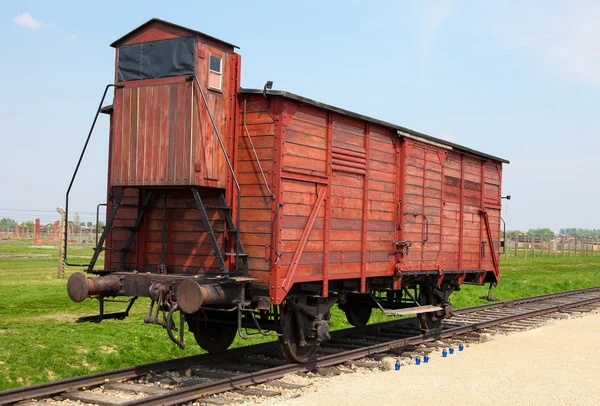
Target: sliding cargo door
421,206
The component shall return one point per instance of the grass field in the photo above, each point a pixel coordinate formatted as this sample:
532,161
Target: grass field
39,340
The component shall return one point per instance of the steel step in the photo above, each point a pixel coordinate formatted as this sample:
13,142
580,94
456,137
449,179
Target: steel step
412,310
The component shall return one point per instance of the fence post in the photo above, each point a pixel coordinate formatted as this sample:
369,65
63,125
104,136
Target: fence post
37,231
61,246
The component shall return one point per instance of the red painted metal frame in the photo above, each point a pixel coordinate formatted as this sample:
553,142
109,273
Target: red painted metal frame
363,267
329,169
277,105
462,212
481,204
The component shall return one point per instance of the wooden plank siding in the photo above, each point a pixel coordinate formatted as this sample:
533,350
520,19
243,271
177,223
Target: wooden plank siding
162,133
378,188
464,197
256,216
368,170
188,249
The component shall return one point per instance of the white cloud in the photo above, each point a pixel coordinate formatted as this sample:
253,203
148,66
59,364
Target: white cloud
72,37
26,20
563,36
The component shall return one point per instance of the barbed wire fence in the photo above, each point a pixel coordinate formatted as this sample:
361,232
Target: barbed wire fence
45,226
546,246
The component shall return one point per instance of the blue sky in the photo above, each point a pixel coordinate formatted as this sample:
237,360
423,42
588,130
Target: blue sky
520,80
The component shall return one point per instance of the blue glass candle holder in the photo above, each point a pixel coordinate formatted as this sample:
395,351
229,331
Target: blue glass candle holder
418,361
444,353
397,366
451,350
461,347
426,359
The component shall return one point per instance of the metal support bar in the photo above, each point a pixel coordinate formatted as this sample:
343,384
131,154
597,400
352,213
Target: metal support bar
136,225
163,251
109,221
235,180
77,170
209,230
239,249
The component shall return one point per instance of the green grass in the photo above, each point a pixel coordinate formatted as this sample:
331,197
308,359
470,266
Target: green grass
39,340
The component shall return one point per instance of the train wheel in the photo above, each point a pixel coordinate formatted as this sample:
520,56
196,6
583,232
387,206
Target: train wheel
214,337
357,314
293,324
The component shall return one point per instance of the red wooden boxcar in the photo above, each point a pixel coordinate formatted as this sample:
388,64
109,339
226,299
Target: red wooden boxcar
262,209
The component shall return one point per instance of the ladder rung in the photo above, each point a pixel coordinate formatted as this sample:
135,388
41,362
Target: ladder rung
224,230
119,228
109,249
211,206
232,254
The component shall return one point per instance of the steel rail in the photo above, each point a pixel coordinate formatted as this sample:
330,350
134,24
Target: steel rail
49,388
222,385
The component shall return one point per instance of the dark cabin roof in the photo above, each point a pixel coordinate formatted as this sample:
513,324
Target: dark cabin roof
181,27
396,127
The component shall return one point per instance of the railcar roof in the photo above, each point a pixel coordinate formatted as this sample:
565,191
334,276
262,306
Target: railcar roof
181,27
306,100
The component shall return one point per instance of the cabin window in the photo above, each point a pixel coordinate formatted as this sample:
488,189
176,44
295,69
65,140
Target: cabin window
157,59
215,70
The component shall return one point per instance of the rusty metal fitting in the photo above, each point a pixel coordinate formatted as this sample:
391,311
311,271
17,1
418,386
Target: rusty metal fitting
191,295
158,290
80,286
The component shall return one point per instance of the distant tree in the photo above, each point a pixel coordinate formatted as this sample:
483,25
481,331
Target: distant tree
580,232
539,232
513,234
30,224
7,222
89,224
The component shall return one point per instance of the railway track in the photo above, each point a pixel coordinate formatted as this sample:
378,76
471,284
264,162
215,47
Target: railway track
257,370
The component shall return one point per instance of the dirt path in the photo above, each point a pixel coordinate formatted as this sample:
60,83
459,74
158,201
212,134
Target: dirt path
558,364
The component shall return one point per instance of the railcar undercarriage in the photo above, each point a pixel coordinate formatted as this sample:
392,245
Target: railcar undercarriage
217,309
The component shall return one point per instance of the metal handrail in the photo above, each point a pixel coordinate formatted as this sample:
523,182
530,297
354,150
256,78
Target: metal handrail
237,185
256,155
504,235
98,218
75,175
